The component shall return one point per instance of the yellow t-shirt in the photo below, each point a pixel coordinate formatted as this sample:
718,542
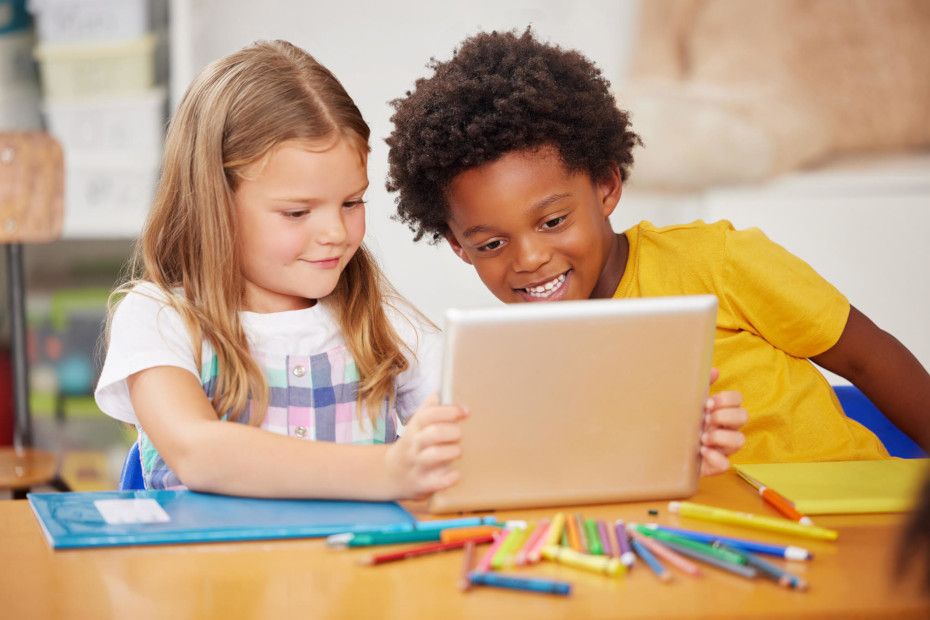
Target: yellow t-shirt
774,312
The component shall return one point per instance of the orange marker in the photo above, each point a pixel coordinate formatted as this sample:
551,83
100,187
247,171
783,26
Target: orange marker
464,533
571,526
777,501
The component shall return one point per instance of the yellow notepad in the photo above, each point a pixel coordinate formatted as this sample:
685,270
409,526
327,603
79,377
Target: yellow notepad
844,487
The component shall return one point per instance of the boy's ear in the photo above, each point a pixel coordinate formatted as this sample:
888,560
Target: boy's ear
610,189
457,247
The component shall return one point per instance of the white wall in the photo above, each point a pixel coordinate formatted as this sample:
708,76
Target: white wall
862,225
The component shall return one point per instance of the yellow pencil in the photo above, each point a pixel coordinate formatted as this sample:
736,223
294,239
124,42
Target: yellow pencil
593,563
746,519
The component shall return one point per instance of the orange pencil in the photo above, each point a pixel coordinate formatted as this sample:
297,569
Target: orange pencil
571,526
777,501
464,533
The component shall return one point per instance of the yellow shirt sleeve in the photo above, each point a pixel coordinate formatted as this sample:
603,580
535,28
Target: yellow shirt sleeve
779,296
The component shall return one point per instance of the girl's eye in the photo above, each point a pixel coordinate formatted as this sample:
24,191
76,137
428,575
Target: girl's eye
490,245
353,203
296,215
553,223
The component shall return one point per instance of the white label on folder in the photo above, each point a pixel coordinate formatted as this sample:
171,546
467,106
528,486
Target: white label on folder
140,510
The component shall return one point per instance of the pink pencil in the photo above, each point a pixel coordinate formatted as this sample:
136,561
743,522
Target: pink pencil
484,564
605,537
521,556
673,558
536,550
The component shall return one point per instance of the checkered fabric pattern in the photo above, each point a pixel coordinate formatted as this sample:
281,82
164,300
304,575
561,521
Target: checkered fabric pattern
310,397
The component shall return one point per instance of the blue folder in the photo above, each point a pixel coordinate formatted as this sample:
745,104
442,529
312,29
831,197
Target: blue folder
71,520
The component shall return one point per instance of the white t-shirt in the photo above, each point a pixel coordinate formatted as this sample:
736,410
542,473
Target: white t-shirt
146,332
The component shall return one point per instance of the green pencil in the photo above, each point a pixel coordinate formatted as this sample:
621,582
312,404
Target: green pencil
716,552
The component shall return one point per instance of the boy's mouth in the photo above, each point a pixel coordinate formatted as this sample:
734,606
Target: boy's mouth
545,291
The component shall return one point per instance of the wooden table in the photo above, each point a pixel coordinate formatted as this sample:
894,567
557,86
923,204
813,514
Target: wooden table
848,579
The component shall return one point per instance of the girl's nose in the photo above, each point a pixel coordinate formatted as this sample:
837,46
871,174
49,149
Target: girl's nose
530,255
332,229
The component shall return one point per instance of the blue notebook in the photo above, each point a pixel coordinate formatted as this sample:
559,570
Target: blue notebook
115,518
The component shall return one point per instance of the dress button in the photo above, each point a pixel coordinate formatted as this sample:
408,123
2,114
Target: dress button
300,431
299,371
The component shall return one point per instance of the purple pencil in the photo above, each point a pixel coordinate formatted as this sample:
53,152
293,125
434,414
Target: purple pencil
623,542
605,538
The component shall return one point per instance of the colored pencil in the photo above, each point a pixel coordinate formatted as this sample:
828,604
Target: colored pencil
582,536
544,586
781,551
429,549
468,558
738,568
592,537
681,541
536,550
654,565
571,529
592,563
521,556
504,555
484,564
776,500
605,538
775,573
623,543
745,519
678,561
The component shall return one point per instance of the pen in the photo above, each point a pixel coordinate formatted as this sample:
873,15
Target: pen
524,555
673,558
776,574
745,519
468,558
741,569
623,544
496,580
788,552
368,539
776,500
429,549
484,564
593,537
700,547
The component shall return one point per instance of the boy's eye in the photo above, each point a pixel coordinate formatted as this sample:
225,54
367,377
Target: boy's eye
490,245
553,223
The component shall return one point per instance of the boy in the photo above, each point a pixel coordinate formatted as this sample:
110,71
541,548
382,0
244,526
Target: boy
515,152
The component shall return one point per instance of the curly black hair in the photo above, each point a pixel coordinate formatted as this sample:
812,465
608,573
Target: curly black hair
500,92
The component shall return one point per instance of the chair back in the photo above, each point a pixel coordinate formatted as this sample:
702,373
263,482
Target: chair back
857,406
31,188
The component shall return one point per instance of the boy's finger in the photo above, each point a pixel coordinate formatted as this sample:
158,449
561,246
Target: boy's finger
729,398
724,440
731,418
713,462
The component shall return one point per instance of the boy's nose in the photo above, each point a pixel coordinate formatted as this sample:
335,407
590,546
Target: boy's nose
530,255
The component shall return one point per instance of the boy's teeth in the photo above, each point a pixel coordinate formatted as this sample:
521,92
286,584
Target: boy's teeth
548,287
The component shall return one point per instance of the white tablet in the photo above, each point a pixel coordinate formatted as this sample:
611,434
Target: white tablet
578,402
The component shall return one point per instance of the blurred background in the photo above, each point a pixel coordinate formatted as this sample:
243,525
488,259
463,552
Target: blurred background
808,119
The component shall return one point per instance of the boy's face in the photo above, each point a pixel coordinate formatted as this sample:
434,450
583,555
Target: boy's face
533,230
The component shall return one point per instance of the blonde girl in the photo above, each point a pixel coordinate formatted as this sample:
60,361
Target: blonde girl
253,305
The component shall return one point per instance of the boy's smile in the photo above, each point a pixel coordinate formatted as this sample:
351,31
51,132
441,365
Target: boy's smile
535,231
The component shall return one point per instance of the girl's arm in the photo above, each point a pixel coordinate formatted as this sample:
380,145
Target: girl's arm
222,457
886,371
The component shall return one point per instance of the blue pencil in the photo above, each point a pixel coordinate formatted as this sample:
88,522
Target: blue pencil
496,580
441,524
787,552
651,561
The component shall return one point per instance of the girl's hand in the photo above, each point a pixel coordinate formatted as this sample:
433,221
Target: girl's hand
420,462
723,417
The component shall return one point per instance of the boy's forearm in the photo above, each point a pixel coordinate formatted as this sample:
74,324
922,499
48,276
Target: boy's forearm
236,459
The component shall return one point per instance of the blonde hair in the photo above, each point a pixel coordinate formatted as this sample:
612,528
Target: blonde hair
234,114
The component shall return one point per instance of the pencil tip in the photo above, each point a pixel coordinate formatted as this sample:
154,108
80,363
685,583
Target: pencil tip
369,561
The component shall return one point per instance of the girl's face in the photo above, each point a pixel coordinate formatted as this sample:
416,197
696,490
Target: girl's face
300,218
535,231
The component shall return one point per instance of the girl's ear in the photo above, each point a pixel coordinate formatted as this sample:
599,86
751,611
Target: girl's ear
610,189
457,247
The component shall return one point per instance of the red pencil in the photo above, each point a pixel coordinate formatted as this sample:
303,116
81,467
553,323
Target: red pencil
412,552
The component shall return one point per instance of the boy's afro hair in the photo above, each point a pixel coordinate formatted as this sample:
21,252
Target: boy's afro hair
500,92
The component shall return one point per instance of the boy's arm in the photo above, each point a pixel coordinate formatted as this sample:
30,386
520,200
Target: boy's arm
886,371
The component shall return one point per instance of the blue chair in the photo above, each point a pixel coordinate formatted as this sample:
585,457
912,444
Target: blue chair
858,407
131,478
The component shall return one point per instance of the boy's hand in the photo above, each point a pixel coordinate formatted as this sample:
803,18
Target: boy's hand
723,417
420,462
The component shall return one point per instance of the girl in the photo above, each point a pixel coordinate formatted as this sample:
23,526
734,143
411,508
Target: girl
253,300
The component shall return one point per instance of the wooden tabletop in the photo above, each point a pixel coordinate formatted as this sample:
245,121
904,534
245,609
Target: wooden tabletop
851,578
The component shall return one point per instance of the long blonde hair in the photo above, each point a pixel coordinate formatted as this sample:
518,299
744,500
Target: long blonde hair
236,111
